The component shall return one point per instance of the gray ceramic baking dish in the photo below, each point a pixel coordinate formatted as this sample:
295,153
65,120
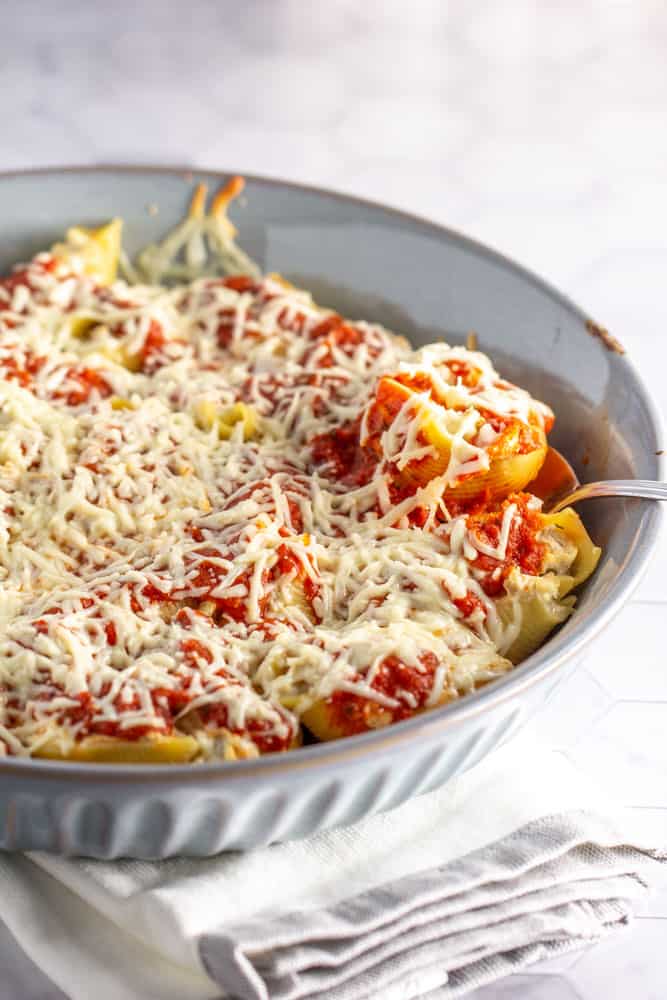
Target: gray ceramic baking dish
424,281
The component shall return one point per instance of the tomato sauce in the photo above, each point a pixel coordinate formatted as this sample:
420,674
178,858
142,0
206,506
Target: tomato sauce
241,283
469,605
23,375
523,548
209,576
341,456
87,380
261,732
46,265
463,371
514,436
85,715
194,651
292,320
387,404
225,331
334,334
456,370
151,353
290,564
352,713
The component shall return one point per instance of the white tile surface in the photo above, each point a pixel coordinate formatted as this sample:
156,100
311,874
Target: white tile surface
635,671
625,751
538,128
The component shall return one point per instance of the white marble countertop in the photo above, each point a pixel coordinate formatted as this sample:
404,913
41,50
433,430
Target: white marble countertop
536,128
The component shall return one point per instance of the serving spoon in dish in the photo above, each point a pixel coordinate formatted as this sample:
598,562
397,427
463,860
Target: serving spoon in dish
558,487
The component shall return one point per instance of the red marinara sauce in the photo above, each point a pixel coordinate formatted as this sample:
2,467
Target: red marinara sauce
84,715
342,456
87,381
261,732
331,334
524,550
409,686
25,374
469,604
83,381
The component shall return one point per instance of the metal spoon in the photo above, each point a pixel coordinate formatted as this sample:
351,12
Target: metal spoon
647,489
558,487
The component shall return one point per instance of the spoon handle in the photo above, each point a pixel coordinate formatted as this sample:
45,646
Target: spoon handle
644,488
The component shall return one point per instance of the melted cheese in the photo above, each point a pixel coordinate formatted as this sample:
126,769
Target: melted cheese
146,556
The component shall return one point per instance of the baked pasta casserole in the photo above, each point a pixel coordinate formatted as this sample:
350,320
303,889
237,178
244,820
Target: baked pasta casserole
230,518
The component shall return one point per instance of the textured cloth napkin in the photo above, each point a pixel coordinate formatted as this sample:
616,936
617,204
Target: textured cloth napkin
516,860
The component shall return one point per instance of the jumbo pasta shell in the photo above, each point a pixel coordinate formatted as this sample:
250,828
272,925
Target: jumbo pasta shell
539,617
505,476
326,723
95,252
152,749
588,554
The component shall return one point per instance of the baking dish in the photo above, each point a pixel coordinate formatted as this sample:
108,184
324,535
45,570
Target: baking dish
422,281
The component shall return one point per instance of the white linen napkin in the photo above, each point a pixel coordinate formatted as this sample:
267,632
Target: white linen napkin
516,860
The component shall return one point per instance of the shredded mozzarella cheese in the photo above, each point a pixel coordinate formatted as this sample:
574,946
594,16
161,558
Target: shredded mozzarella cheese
154,564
